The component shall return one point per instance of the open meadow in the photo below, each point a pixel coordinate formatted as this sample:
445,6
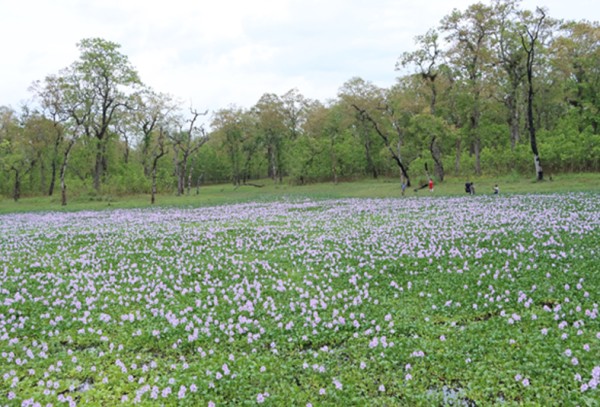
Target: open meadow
420,300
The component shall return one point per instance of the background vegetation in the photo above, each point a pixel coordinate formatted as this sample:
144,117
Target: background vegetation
493,90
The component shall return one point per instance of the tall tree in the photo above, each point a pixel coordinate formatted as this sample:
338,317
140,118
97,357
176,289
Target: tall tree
577,60
360,96
229,125
50,94
294,107
272,127
512,59
533,24
149,111
98,82
469,33
158,150
17,152
373,113
427,58
188,139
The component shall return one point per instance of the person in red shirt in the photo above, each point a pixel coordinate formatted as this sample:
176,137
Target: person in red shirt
430,185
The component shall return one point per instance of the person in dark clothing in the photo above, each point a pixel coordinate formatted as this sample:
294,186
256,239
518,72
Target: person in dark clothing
470,188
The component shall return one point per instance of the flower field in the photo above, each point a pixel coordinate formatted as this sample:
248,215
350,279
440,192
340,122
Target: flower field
418,301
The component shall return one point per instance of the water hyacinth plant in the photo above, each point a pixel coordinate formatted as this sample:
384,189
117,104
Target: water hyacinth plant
416,301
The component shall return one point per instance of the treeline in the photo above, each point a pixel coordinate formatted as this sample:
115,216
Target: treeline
492,89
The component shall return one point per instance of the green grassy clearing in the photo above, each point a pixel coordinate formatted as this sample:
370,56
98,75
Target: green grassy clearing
212,195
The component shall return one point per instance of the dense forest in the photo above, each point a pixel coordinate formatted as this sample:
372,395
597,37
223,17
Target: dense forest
493,89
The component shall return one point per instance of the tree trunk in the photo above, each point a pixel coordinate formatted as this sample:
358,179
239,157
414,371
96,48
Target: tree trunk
52,176
98,167
457,159
126,150
198,184
273,163
370,165
42,175
477,147
333,163
63,170
17,187
436,154
530,50
189,180
536,155
63,192
513,121
152,198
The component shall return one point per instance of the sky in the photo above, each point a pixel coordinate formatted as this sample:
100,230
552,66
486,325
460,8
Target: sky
221,53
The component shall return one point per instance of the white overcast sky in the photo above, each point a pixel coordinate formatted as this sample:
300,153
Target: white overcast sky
229,52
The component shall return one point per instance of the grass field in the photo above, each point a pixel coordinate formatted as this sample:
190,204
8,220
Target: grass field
211,195
421,300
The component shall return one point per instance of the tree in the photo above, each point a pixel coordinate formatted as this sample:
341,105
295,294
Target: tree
98,83
512,59
373,113
158,151
431,131
49,94
271,126
576,59
186,141
17,152
294,107
530,39
63,107
230,127
469,33
311,150
149,111
359,96
427,58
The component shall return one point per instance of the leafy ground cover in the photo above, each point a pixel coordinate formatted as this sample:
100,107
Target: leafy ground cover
416,301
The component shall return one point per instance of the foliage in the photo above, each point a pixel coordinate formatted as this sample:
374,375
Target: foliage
479,93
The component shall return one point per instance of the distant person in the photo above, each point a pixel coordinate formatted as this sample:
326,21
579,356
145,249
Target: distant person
470,188
430,185
496,189
403,187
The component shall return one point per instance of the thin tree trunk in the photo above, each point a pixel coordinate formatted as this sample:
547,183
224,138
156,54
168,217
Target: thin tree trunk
436,154
63,170
532,138
189,180
333,162
152,198
477,147
370,165
513,122
42,175
457,159
17,187
530,50
98,167
53,166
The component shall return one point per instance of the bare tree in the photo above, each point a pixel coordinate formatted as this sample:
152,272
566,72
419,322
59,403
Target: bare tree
158,151
186,142
529,39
